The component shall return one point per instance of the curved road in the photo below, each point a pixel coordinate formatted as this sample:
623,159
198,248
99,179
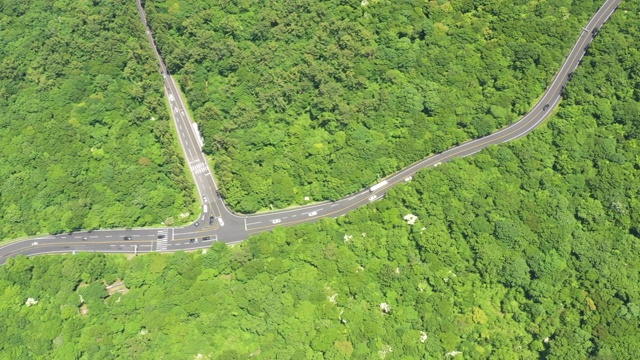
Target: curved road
218,223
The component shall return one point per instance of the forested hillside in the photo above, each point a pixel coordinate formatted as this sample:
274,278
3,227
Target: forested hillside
526,250
84,131
322,98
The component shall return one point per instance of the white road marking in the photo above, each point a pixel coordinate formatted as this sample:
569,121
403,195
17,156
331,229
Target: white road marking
198,167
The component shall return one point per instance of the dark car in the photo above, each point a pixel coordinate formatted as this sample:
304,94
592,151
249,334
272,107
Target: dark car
192,240
128,238
546,107
205,238
212,220
161,236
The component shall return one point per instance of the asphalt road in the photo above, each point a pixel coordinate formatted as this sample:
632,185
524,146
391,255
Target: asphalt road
232,228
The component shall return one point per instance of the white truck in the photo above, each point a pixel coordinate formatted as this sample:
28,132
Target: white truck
379,185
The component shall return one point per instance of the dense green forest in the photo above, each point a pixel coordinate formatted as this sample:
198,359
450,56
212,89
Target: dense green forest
522,251
85,133
322,98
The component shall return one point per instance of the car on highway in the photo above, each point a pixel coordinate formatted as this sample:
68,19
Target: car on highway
204,198
373,197
130,238
205,238
276,221
212,220
191,241
84,238
408,178
545,108
313,213
160,236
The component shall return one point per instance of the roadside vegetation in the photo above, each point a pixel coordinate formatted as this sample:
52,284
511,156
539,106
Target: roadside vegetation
85,136
524,250
319,99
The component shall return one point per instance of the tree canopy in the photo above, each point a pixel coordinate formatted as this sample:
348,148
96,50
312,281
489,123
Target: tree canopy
319,99
524,250
85,133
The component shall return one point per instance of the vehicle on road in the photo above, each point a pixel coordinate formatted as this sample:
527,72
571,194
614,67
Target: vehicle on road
373,197
212,220
127,238
204,198
205,238
276,221
191,241
205,208
171,97
378,185
545,108
84,238
220,221
313,213
408,178
196,224
436,164
161,236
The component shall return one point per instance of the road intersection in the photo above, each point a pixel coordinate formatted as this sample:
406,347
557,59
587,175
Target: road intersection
231,228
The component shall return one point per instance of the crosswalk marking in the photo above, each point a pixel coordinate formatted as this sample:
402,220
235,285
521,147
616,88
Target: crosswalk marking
162,243
198,167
